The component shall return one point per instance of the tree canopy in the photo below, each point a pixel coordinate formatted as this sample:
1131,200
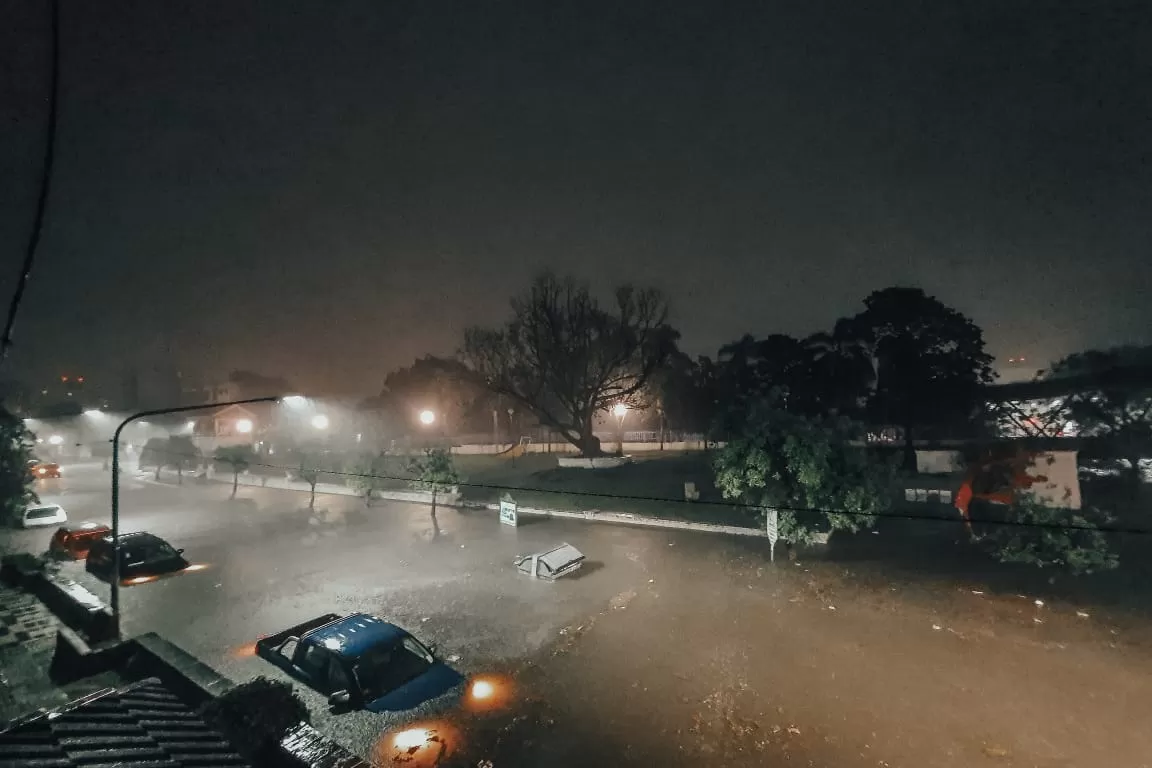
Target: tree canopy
15,452
566,358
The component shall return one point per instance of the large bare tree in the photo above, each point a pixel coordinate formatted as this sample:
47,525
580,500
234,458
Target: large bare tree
565,357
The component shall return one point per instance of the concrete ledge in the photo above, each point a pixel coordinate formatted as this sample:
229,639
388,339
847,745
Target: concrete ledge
74,658
624,518
74,605
187,676
596,462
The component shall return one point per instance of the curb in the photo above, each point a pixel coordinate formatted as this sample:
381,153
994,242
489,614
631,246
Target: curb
627,518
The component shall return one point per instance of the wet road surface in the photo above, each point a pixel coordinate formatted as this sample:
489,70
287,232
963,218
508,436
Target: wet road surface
670,647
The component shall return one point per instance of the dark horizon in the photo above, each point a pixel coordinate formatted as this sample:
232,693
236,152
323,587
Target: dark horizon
328,193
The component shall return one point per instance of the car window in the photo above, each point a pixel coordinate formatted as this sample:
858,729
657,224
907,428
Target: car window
412,645
288,649
337,676
385,669
315,662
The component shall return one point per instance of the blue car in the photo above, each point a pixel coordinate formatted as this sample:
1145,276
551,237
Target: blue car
360,662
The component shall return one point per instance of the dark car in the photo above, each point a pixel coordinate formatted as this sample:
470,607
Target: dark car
74,541
143,557
360,662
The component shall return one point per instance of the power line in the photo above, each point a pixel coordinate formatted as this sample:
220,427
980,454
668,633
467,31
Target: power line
45,179
887,514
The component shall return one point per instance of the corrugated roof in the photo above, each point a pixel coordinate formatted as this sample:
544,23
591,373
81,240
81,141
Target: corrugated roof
142,726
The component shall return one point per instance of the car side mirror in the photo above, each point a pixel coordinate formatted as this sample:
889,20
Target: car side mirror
432,648
340,700
179,551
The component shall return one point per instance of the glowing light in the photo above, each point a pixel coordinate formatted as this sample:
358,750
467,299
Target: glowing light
294,401
196,567
140,580
320,421
427,417
93,412
619,410
244,426
41,471
482,689
189,425
55,440
413,738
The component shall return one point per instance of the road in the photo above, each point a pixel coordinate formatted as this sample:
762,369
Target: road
671,647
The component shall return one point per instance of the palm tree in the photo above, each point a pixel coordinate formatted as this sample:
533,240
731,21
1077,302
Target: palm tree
238,458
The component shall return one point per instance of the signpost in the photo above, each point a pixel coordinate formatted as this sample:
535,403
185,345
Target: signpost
773,523
508,511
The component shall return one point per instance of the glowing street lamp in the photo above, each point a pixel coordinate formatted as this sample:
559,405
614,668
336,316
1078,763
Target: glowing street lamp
55,440
620,411
243,426
320,421
427,417
93,412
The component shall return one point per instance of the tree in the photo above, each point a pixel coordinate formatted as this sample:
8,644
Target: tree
15,480
566,358
1116,406
434,472
238,458
370,475
930,363
310,471
180,453
807,469
255,716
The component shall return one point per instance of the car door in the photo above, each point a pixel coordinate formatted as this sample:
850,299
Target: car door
313,663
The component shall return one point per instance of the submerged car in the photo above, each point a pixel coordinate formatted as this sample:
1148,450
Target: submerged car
44,470
360,662
74,541
43,514
143,557
551,564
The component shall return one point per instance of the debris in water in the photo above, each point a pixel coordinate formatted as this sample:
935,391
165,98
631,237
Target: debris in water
992,750
1082,614
425,618
831,607
1037,620
454,658
937,627
793,730
977,592
1039,603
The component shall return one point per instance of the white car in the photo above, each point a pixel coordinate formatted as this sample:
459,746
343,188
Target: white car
44,514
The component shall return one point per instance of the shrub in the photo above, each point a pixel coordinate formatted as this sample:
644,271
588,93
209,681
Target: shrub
1050,537
256,715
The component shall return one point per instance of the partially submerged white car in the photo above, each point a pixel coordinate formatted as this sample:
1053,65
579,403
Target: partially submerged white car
43,514
552,564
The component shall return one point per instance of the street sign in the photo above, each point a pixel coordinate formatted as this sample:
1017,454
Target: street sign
773,532
508,511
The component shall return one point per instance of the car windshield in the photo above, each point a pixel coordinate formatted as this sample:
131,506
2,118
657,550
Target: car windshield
385,669
37,513
152,550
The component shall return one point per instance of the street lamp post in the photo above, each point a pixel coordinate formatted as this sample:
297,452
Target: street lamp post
116,488
621,411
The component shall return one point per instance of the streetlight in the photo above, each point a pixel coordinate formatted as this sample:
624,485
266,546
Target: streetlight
427,417
243,426
55,440
93,412
116,487
320,421
620,411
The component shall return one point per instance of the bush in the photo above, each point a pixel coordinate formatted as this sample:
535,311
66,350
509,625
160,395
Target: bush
256,715
1050,537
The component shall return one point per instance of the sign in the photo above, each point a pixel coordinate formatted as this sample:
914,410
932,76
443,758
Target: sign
508,511
773,524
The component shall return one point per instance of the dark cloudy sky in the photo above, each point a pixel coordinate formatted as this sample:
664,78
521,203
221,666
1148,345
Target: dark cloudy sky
326,190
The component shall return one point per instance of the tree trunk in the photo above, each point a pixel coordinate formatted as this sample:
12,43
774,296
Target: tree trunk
179,474
235,482
157,471
312,496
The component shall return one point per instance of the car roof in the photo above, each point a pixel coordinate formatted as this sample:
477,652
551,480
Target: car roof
85,527
137,537
354,635
42,506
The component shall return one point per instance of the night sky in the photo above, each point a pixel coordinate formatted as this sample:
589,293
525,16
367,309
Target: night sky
326,190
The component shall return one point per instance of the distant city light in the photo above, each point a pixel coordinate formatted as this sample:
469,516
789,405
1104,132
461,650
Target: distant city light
244,426
320,421
427,417
55,440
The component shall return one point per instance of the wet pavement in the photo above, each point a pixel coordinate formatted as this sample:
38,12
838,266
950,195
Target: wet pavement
669,647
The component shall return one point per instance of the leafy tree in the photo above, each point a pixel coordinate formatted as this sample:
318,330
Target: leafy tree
1115,407
776,369
15,452
566,358
434,472
371,471
180,453
153,454
930,363
312,468
683,392
238,458
844,369
1049,537
807,469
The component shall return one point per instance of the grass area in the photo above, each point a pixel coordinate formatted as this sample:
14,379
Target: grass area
652,485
